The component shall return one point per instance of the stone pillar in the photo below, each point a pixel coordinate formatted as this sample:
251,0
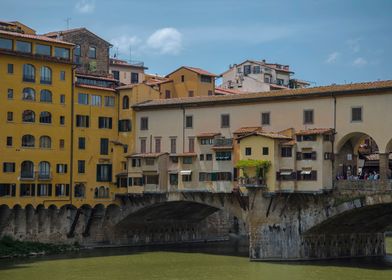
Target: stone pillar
384,166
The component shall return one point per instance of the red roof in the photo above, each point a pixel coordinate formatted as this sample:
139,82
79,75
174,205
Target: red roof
194,69
96,77
226,91
247,129
154,81
146,155
95,87
35,37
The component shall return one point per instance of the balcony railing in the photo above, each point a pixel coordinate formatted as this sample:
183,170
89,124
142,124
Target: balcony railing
222,142
44,176
251,182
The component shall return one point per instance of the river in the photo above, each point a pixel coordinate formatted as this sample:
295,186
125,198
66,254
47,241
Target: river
206,261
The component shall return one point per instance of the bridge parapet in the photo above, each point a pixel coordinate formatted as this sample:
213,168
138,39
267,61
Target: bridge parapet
363,185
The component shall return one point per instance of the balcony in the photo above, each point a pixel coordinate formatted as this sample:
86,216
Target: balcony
252,182
223,143
27,176
27,78
44,176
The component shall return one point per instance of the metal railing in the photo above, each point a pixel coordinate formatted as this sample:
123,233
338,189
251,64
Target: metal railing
219,142
251,182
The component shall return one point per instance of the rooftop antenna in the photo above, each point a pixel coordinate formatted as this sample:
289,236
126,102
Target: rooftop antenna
130,53
67,20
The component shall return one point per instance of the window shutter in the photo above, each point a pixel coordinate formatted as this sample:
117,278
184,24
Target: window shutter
32,189
57,190
299,155
50,190
314,155
87,121
110,123
67,190
65,168
13,191
299,175
57,168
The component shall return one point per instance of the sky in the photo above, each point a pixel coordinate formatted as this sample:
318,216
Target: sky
324,42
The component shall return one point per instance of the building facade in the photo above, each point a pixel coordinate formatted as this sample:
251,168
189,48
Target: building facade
127,72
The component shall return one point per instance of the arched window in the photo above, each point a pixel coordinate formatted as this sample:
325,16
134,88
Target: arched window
45,96
28,116
46,75
125,102
45,142
44,170
101,192
28,94
28,73
28,140
80,190
107,192
27,169
45,117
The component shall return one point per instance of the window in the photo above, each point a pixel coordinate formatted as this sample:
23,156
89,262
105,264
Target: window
109,101
81,166
80,190
61,143
28,140
134,78
62,120
247,69
248,151
44,190
62,99
61,168
9,141
82,121
280,82
182,78
5,44
28,73
104,150
173,179
136,162
10,116
191,93
23,47
187,178
62,190
265,118
28,116
45,117
191,145
308,116
7,190
46,75
356,114
167,94
125,102
265,151
116,74
61,53
215,176
309,137
8,167
77,54
173,145
43,49
10,93
267,79
205,79
125,149
187,160
188,121
286,152
256,69
201,158
224,155
157,145
286,175
92,52
62,75
143,146
83,98
104,172
96,100
45,142
27,169
143,123
307,155
28,94
174,159
10,68
44,170
209,157
82,143
105,122
101,192
307,175
206,141
124,125
225,120
27,189
209,93
150,161
45,96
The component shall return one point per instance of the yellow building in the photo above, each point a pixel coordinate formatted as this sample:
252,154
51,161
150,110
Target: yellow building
36,85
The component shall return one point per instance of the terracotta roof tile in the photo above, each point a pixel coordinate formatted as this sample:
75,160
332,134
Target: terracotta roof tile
207,134
145,155
35,37
96,77
95,87
226,91
315,131
153,81
194,69
266,134
248,129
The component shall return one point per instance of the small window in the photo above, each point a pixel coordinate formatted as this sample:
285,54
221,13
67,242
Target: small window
191,145
62,143
92,52
265,118
5,44
46,75
265,151
82,121
157,145
248,151
81,166
10,68
308,116
247,69
9,141
191,93
104,146
224,155
9,167
62,120
187,178
61,53
105,122
210,93
173,145
286,152
83,98
45,117
187,160
356,114
10,93
225,120
208,157
201,158
22,46
125,102
62,75
134,78
45,142
124,125
62,99
167,94
10,116
144,123
42,49
109,101
188,121
96,100
116,74
143,145
182,78
61,168
82,143
45,96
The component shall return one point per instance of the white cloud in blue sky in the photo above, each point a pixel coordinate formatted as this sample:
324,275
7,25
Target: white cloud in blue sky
332,57
359,62
165,41
85,6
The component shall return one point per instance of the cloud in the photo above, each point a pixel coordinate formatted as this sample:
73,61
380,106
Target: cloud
354,45
85,6
332,57
165,41
123,44
360,61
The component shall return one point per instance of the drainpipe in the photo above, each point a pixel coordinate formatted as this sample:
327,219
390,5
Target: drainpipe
72,134
333,141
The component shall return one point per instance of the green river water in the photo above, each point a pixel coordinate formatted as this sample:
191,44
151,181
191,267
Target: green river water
206,261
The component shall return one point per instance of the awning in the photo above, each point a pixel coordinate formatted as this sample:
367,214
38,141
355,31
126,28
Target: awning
173,171
185,172
307,171
286,172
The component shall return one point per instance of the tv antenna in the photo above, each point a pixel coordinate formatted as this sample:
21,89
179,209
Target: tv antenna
67,20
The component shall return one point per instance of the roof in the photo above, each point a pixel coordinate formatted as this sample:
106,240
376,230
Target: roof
247,129
95,87
261,63
146,155
194,69
226,91
154,81
208,134
61,32
312,92
290,143
96,77
272,135
35,37
315,131
184,155
120,62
